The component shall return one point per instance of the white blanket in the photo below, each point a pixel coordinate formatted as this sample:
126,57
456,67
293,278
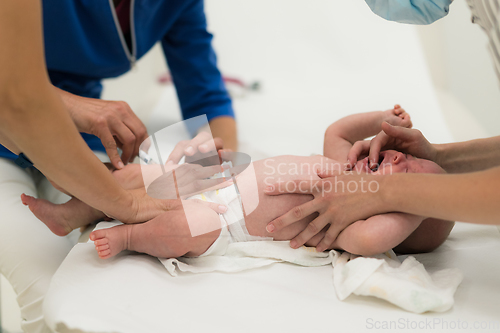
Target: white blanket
407,284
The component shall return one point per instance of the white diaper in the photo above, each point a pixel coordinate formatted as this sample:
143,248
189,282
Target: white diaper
233,228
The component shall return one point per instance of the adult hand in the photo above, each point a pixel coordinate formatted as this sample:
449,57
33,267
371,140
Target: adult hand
182,181
407,140
113,122
340,200
196,149
143,208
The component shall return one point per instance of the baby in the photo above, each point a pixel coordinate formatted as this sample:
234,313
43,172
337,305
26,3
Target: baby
169,234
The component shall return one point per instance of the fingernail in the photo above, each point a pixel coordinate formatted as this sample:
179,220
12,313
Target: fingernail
269,189
203,147
92,237
293,244
223,208
120,165
189,150
170,163
270,228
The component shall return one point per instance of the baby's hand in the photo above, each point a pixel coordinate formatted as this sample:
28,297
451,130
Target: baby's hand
398,117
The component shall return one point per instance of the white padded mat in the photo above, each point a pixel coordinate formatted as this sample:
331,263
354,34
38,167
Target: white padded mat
134,293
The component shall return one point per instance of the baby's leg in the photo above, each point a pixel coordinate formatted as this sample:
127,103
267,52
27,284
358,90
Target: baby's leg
62,219
166,236
377,234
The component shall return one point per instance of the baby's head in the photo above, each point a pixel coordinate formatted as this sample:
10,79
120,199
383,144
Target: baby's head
391,161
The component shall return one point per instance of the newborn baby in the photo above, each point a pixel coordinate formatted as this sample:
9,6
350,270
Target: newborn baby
169,235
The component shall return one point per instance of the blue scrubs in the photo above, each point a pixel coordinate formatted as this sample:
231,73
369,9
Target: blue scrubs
83,44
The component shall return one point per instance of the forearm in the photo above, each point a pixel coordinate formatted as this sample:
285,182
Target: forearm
357,126
471,197
225,128
46,134
34,120
469,156
4,140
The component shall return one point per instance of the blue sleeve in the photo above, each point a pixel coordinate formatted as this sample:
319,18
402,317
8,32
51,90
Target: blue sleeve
193,65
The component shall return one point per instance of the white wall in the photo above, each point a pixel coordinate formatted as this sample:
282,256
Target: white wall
463,73
252,37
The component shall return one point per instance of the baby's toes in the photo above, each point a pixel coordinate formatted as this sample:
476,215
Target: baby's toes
31,202
98,236
407,121
101,241
399,111
100,248
104,254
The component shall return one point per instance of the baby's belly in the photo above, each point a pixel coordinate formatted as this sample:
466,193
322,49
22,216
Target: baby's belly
283,169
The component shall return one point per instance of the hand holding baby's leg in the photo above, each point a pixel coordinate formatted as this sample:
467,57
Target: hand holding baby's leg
64,218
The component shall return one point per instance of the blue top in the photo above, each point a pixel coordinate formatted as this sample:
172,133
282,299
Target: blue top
83,45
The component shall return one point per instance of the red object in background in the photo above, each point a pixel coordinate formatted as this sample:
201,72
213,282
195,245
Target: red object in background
167,79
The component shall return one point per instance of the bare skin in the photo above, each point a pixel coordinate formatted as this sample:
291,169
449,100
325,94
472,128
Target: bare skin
168,235
163,238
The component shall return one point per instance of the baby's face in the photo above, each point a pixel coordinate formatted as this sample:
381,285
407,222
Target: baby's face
391,161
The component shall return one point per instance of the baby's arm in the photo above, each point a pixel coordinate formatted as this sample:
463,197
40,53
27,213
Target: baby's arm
342,134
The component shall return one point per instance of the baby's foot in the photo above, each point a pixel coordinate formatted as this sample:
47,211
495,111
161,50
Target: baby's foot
398,117
48,213
109,242
62,219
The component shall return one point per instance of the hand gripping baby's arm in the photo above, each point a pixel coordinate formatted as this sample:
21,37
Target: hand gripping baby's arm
341,135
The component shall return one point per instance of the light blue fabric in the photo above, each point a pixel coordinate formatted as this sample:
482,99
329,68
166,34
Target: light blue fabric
410,11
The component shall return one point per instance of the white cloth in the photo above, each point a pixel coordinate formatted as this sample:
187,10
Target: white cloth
407,284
